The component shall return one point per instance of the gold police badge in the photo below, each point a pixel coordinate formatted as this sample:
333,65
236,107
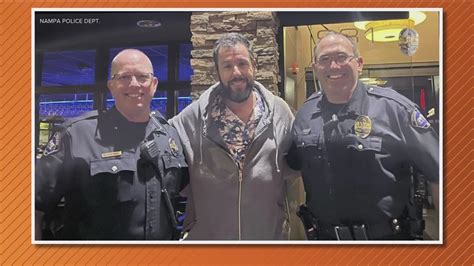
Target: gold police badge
173,146
363,126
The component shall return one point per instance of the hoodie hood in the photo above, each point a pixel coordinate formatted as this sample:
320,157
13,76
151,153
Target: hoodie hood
209,95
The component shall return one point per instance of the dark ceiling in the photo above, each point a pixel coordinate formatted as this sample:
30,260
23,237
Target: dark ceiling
311,18
109,29
79,30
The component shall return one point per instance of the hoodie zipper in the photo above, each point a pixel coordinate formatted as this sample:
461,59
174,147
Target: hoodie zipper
257,134
240,198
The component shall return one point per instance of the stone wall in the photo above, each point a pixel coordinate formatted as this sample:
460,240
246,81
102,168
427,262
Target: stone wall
259,27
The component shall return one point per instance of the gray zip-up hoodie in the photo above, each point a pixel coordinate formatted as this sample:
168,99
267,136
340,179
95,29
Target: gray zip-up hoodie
222,205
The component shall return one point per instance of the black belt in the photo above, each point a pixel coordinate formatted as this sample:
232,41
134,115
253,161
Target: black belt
392,229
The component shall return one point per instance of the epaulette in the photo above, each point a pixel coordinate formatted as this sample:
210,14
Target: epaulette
84,116
159,117
393,95
315,95
414,115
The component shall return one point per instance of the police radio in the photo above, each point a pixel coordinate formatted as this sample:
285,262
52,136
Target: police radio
150,152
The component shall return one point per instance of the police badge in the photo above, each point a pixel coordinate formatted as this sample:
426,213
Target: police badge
363,126
173,146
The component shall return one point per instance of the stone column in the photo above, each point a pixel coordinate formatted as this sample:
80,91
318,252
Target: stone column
259,27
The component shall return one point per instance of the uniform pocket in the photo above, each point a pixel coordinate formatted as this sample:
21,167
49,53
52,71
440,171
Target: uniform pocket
371,143
360,166
305,141
311,161
310,149
112,179
172,178
113,166
174,162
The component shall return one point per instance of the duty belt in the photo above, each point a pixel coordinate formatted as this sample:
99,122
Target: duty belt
392,229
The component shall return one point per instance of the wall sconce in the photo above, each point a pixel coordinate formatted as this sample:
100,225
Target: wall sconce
389,30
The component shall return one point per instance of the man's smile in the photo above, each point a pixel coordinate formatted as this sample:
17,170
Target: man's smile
335,76
134,95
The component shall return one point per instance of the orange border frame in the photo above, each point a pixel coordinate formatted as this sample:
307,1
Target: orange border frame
15,180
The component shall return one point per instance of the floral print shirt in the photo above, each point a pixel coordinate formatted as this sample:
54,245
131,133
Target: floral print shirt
236,134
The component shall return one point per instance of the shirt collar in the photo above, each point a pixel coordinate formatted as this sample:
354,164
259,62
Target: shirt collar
355,105
112,121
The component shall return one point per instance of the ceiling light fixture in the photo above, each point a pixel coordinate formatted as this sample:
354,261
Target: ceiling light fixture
149,23
389,30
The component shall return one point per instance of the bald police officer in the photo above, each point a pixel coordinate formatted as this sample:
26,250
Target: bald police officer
356,146
116,170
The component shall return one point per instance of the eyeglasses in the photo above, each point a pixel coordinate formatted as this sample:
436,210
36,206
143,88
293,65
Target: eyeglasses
340,59
141,78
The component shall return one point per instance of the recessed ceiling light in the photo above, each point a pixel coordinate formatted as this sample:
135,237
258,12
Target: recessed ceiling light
149,23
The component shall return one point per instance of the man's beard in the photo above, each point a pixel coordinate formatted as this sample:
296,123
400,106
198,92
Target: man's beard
237,96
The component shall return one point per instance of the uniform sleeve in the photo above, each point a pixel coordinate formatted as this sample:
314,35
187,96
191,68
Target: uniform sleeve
422,145
293,157
190,218
293,182
286,120
52,172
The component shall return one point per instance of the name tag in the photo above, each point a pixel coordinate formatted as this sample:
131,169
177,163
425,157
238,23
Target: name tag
111,154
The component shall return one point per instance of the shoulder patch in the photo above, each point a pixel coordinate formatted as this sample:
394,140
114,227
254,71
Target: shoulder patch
53,145
418,120
159,117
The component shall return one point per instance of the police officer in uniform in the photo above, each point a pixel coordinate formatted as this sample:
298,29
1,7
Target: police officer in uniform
116,170
356,146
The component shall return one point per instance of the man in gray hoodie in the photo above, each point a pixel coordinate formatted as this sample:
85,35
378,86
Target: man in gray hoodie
234,139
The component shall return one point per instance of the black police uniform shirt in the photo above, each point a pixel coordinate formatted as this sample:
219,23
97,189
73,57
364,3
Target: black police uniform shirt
356,174
110,193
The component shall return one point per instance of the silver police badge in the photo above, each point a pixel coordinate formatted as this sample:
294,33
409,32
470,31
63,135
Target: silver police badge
173,147
363,126
418,120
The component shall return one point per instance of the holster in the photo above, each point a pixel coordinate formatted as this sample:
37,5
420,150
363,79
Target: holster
310,222
416,223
